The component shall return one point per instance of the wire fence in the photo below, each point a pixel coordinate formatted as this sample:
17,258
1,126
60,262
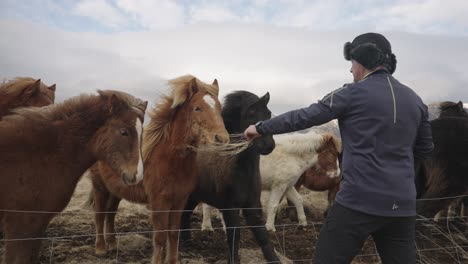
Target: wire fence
55,239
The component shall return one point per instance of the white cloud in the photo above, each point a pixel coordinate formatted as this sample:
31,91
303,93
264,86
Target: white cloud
102,12
297,66
154,14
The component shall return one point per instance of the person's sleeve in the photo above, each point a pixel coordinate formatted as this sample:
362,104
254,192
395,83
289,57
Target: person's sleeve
330,107
424,146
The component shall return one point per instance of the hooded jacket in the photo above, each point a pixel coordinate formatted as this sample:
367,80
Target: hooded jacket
384,127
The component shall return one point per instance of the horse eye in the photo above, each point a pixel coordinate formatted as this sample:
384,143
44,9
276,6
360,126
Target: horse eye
124,132
197,109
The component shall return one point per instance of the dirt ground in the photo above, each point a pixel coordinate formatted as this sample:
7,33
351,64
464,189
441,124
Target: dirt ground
71,237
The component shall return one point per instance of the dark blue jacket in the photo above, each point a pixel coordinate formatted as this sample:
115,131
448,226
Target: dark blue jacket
384,127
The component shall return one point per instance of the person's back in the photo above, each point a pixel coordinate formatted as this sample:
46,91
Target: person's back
378,132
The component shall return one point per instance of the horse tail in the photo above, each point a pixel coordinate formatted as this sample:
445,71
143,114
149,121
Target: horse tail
90,202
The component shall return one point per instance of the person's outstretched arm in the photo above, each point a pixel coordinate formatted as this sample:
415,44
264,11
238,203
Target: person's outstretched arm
330,107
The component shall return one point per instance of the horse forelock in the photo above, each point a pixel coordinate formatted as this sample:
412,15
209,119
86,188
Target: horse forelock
181,89
16,86
161,116
333,140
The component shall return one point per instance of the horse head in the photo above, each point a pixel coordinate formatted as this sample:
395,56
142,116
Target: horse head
328,156
452,109
118,141
242,109
25,92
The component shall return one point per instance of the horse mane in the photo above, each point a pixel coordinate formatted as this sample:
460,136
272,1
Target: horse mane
69,108
159,127
335,141
447,104
304,142
15,87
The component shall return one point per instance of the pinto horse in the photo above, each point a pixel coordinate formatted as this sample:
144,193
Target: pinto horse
190,116
293,155
443,175
46,150
316,180
23,92
229,183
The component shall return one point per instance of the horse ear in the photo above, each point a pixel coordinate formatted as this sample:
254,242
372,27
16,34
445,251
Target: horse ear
143,105
52,87
193,88
215,83
33,88
460,105
115,104
266,98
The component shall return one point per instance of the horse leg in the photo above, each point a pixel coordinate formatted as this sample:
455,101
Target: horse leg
112,207
296,198
331,195
174,224
28,228
101,195
254,218
232,220
292,213
185,234
206,224
160,220
275,197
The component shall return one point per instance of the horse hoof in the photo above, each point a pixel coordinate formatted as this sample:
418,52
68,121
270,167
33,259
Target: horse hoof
100,252
111,246
270,228
207,228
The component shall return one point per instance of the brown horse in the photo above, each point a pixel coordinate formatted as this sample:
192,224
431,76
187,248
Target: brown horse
316,180
44,152
188,117
23,92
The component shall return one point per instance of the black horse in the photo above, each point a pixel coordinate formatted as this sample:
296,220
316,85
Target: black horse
444,174
234,182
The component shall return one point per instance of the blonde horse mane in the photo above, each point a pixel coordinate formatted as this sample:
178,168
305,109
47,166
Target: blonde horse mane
13,88
159,127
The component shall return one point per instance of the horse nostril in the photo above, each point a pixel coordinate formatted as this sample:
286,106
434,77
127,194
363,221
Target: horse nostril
128,179
218,139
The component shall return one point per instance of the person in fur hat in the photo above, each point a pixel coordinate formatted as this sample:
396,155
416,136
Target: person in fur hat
384,129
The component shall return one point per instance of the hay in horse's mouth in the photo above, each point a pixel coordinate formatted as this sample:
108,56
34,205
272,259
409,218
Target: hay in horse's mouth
236,145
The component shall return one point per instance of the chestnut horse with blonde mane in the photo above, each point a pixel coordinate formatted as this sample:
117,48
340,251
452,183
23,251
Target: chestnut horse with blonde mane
23,92
46,150
190,116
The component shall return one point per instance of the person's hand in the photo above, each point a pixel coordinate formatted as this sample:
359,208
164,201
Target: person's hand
251,133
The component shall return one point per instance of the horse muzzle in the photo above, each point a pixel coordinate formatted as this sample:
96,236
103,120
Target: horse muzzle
333,174
132,178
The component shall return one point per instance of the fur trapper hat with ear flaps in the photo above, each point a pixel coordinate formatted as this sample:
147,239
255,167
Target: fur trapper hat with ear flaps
371,50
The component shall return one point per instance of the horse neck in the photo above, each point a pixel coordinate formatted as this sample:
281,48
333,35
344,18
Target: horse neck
79,134
249,161
6,105
181,134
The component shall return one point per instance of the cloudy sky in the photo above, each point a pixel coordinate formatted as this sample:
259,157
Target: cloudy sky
291,48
